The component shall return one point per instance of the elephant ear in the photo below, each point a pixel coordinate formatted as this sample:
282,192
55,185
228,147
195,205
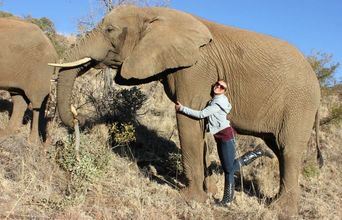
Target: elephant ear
170,39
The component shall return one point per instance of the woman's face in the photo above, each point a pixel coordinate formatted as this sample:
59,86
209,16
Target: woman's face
219,87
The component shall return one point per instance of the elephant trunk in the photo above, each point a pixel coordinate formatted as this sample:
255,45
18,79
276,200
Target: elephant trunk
66,79
67,75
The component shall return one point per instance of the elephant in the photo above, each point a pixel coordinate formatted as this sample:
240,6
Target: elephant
274,92
24,72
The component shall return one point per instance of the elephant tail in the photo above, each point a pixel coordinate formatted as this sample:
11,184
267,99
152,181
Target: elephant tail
319,153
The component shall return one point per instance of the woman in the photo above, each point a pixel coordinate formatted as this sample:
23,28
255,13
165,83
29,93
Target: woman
218,124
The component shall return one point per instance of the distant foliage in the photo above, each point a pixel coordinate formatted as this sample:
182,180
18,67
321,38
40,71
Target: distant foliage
325,69
4,14
43,23
110,4
89,21
48,28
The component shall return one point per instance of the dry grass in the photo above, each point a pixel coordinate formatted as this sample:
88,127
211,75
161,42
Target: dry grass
141,181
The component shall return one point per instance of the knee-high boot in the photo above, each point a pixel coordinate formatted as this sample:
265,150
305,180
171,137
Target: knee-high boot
228,193
250,156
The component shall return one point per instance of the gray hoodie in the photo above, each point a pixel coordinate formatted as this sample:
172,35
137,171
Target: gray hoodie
216,111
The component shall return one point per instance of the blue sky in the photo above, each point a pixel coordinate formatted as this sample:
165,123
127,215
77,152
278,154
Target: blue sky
307,24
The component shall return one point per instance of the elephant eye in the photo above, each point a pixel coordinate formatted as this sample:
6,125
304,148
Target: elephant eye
109,29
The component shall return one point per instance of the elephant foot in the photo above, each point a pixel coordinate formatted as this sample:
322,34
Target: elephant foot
190,194
210,184
7,132
286,206
3,133
33,139
48,141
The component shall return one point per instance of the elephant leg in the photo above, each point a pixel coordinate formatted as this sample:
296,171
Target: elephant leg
192,145
210,184
292,141
19,107
209,179
34,135
287,200
38,123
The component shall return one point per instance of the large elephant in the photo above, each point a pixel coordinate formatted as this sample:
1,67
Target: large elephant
273,90
24,55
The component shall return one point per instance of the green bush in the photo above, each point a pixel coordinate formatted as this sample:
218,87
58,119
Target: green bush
121,134
86,167
92,164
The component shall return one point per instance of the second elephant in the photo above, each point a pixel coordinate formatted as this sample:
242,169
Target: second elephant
25,53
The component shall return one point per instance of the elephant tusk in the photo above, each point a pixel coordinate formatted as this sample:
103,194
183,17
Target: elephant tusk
71,64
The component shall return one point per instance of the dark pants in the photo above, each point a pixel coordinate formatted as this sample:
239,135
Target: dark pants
226,152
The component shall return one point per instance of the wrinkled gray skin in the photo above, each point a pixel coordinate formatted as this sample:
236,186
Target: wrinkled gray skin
273,90
24,55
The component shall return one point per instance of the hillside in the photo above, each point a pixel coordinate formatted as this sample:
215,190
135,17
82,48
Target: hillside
141,180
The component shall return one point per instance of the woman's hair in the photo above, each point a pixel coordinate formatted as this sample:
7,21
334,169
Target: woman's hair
222,81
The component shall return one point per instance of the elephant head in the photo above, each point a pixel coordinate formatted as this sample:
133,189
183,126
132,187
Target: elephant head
138,42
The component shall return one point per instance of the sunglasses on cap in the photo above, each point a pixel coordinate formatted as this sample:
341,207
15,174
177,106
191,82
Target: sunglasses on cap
217,84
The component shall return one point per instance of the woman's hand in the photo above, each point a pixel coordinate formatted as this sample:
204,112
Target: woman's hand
178,106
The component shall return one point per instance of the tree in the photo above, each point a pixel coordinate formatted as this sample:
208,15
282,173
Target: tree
324,68
48,27
43,23
4,14
88,22
110,4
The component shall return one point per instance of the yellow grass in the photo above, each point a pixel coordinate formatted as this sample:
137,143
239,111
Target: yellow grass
33,184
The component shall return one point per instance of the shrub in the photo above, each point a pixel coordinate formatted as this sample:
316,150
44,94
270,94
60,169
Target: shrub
121,134
92,163
109,102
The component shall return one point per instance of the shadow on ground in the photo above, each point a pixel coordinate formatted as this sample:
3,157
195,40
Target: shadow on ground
157,157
